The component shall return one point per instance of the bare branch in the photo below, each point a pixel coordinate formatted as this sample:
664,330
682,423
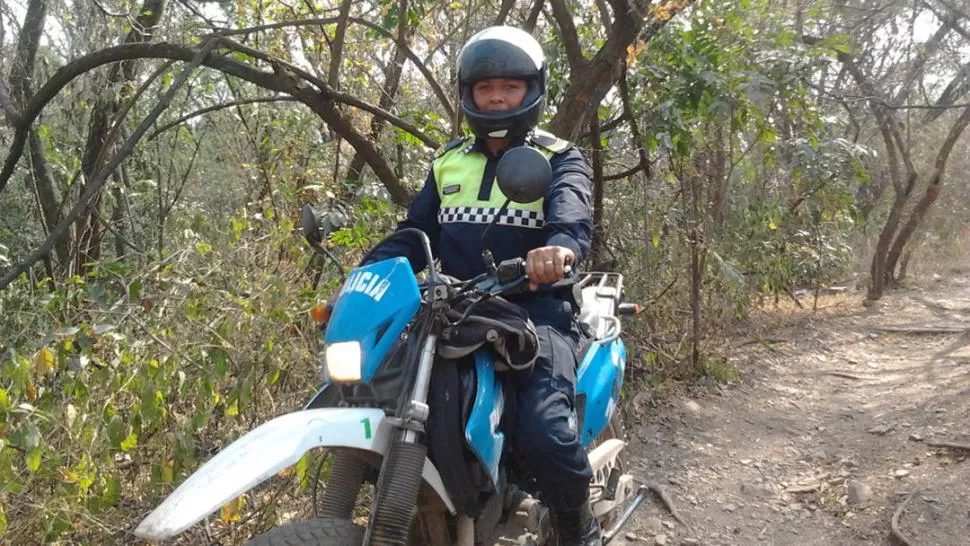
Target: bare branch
955,11
568,35
629,172
45,189
957,87
533,18
322,101
95,186
16,150
932,191
392,80
282,82
112,132
628,113
600,74
425,71
283,66
208,110
599,230
337,48
195,11
951,139
926,51
894,522
605,16
951,445
608,126
22,71
117,234
503,12
887,122
447,38
659,17
418,63
21,77
7,106
107,12
845,99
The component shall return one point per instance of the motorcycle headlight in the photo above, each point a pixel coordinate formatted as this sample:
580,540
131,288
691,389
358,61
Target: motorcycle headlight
342,361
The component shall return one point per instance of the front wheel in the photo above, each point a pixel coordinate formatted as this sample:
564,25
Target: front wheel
315,532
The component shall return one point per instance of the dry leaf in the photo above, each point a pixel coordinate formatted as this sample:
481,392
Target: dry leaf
232,510
44,361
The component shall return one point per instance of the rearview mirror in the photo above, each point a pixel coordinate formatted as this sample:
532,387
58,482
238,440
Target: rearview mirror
311,224
523,174
317,226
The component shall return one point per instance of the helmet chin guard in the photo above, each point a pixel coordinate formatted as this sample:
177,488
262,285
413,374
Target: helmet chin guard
508,53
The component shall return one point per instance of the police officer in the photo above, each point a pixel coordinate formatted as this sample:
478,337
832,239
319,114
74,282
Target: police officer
502,82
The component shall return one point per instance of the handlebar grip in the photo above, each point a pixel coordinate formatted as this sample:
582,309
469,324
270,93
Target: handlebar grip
510,270
629,309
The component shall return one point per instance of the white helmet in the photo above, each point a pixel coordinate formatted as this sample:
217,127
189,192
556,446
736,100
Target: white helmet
502,52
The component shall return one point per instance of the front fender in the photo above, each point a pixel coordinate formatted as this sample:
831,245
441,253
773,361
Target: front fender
263,452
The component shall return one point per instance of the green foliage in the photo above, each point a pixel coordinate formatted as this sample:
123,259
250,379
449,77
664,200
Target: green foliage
118,378
116,383
720,370
746,175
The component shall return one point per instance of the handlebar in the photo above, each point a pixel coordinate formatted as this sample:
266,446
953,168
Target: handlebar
510,277
509,274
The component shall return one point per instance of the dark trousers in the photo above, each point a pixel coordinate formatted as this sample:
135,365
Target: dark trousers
545,431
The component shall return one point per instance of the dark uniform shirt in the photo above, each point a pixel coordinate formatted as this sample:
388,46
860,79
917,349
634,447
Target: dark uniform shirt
456,232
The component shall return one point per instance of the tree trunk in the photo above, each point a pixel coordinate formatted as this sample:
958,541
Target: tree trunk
599,230
22,72
337,47
904,265
101,136
719,178
118,219
600,74
21,80
878,273
691,203
870,192
630,116
392,80
932,191
894,149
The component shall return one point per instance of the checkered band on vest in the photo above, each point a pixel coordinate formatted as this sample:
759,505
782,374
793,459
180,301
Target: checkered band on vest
483,215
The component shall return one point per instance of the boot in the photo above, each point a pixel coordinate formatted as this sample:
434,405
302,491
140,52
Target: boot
578,527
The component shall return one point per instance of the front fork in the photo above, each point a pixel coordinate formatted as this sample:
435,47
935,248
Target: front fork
393,509
416,414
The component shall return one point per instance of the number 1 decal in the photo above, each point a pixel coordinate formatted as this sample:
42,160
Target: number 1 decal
366,422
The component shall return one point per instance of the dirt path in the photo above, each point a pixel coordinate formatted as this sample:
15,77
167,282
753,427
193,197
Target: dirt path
827,434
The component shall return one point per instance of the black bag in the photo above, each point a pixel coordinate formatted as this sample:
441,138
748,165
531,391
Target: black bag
496,321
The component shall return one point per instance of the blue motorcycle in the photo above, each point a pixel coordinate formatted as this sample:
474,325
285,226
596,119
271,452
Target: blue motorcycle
386,389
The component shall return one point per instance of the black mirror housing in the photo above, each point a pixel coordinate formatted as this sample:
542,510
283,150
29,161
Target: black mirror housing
316,227
310,224
523,174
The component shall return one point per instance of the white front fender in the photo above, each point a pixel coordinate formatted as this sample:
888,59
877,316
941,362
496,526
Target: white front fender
262,453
